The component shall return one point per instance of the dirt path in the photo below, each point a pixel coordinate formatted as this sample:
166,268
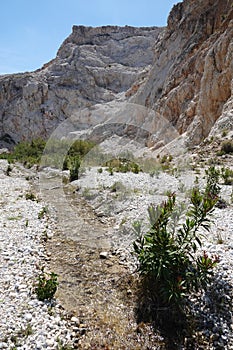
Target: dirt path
99,291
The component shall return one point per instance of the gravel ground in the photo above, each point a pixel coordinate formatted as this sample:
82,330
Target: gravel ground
26,322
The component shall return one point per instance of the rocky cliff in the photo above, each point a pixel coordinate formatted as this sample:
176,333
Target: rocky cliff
190,83
93,65
182,72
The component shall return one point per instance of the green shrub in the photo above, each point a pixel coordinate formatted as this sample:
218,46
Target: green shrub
227,147
224,132
46,286
166,253
227,175
74,169
26,152
30,152
123,165
81,147
31,196
136,168
212,180
55,148
110,170
88,194
165,162
75,156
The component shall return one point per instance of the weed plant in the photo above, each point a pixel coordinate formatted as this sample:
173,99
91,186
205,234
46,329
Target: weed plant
118,186
212,181
43,212
46,286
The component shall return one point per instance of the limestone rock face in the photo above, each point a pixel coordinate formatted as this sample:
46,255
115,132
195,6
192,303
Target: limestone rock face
93,65
190,82
183,73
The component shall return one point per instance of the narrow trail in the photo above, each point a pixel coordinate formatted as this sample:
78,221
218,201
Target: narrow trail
76,219
98,291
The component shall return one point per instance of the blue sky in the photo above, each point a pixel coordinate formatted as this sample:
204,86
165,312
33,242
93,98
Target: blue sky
31,31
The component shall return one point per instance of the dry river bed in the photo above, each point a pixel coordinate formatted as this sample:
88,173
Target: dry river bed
86,238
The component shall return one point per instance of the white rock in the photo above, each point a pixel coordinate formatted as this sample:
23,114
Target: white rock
50,341
104,255
28,317
50,235
75,320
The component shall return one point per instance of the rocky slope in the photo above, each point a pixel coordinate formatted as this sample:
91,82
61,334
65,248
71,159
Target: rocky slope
182,72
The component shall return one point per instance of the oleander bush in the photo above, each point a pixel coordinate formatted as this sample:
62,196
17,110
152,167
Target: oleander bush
73,153
213,179
167,253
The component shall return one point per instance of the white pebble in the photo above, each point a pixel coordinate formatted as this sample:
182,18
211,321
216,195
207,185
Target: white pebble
28,317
